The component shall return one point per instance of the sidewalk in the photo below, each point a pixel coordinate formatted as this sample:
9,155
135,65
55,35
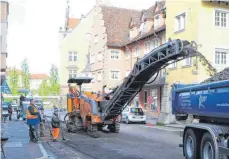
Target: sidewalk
18,145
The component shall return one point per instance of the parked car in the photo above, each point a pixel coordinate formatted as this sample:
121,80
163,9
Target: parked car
133,114
4,109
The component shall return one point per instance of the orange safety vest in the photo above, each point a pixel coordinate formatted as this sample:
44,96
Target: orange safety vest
28,114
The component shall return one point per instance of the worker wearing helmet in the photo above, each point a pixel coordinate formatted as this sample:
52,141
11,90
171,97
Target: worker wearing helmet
33,120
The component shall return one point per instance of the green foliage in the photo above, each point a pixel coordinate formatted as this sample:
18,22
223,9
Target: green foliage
13,81
25,74
44,89
54,80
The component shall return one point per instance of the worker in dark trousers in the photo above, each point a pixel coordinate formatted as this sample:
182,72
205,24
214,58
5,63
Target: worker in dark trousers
33,120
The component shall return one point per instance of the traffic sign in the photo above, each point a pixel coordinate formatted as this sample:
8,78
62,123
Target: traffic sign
150,99
5,89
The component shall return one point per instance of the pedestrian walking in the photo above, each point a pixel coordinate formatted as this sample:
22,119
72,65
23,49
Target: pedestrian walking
55,125
41,111
10,111
33,120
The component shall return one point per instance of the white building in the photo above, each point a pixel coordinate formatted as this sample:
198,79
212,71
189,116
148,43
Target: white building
36,80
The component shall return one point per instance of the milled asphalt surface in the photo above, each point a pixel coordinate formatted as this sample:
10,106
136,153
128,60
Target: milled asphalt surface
133,142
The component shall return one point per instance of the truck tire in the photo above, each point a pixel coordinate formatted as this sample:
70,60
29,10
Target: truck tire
207,147
190,145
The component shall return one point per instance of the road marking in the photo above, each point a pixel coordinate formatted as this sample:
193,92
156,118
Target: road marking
45,155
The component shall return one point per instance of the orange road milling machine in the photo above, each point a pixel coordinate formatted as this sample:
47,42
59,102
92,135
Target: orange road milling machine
91,112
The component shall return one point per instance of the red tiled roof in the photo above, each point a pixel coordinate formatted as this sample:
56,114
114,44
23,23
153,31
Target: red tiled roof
73,22
117,22
39,76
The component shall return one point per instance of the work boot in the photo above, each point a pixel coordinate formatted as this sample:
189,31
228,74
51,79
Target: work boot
54,140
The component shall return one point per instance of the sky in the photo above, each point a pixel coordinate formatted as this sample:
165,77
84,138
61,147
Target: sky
34,24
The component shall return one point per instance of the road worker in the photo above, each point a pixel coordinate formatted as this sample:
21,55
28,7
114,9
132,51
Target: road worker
55,126
33,120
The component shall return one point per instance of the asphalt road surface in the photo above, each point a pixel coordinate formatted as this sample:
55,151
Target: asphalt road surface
133,142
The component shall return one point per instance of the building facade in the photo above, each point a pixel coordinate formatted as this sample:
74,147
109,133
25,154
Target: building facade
36,80
3,36
207,24
146,32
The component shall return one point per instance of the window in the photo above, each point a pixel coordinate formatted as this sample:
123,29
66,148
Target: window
92,59
75,56
180,22
96,38
155,43
115,55
72,73
157,21
70,56
145,98
115,75
154,104
142,27
173,64
187,62
127,73
221,18
136,51
99,78
221,57
99,57
127,54
147,47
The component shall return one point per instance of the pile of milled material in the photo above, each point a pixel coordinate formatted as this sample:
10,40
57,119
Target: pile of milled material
223,75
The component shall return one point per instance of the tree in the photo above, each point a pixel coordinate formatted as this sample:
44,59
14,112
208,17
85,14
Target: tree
25,74
13,80
54,80
44,89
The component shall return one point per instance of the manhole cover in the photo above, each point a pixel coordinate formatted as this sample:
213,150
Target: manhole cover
13,144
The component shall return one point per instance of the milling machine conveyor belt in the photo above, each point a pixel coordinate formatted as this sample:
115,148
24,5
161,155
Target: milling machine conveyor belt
143,70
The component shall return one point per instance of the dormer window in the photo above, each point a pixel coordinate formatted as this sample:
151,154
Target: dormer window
142,27
157,21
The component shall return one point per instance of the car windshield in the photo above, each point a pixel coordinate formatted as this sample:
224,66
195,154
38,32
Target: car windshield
136,111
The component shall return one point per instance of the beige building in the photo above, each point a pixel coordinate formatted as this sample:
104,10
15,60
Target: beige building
3,39
109,34
74,49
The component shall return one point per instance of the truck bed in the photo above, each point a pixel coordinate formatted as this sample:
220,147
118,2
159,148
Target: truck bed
203,101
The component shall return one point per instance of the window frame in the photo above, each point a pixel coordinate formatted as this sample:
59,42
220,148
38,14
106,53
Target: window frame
112,57
189,63
70,56
136,53
172,65
220,50
145,47
176,28
227,18
158,20
74,56
119,74
127,53
73,73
